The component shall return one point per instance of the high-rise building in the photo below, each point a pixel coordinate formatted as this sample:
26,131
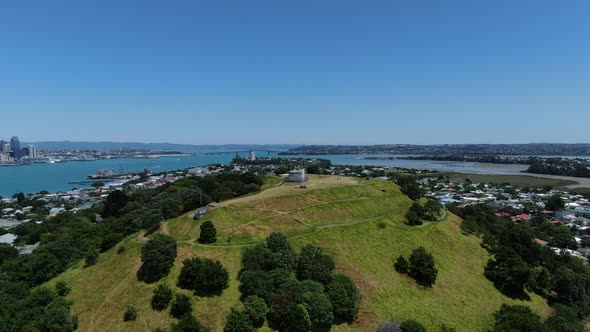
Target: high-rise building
15,147
32,151
4,147
252,155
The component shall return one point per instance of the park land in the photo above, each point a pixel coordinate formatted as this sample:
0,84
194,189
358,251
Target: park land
359,222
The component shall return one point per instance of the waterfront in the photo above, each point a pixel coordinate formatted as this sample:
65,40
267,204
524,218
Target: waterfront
57,177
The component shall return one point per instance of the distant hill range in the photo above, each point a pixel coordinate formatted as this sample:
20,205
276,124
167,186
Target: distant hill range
68,145
533,149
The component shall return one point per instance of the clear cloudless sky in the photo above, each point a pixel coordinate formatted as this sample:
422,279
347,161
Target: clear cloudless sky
300,72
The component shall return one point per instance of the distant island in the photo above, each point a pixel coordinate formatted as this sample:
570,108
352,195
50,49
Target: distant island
576,167
532,149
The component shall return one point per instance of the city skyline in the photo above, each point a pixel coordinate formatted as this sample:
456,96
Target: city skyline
305,73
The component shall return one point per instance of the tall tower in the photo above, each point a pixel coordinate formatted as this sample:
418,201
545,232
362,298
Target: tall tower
32,151
15,147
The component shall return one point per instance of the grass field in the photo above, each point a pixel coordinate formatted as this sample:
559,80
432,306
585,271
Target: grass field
359,223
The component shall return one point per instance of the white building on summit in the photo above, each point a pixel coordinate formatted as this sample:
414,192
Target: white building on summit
297,175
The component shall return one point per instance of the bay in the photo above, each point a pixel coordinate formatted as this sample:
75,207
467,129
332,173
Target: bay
57,177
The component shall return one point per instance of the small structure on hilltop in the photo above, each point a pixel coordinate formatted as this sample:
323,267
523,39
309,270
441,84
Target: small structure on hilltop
200,212
297,175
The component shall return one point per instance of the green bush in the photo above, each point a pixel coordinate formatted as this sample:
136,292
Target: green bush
158,256
401,265
256,309
412,326
422,267
130,314
204,276
161,297
208,232
181,306
91,256
62,288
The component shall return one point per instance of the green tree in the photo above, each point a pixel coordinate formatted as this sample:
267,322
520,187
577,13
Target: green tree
91,256
7,252
238,322
110,240
297,319
258,283
401,265
509,272
517,318
345,298
158,256
573,288
319,308
204,276
130,314
62,288
413,219
208,232
409,187
412,325
56,317
283,256
116,201
540,280
565,319
256,309
555,203
312,264
188,323
422,268
287,295
432,208
181,306
20,198
161,297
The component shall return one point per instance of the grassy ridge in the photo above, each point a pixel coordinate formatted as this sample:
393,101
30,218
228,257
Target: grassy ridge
364,241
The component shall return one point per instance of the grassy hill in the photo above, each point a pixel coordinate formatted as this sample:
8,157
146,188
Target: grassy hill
359,223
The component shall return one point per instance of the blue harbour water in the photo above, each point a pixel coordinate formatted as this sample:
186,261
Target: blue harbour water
57,177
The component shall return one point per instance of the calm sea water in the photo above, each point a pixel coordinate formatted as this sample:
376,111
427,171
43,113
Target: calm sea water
57,177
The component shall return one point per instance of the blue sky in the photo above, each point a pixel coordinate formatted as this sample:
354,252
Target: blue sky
301,72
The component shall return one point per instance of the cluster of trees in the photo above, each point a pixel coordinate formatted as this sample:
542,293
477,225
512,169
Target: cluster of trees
39,309
203,276
519,264
223,186
292,292
521,318
420,267
409,186
181,308
416,213
560,166
70,237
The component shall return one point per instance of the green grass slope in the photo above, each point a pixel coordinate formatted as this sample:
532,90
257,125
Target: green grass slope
359,223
